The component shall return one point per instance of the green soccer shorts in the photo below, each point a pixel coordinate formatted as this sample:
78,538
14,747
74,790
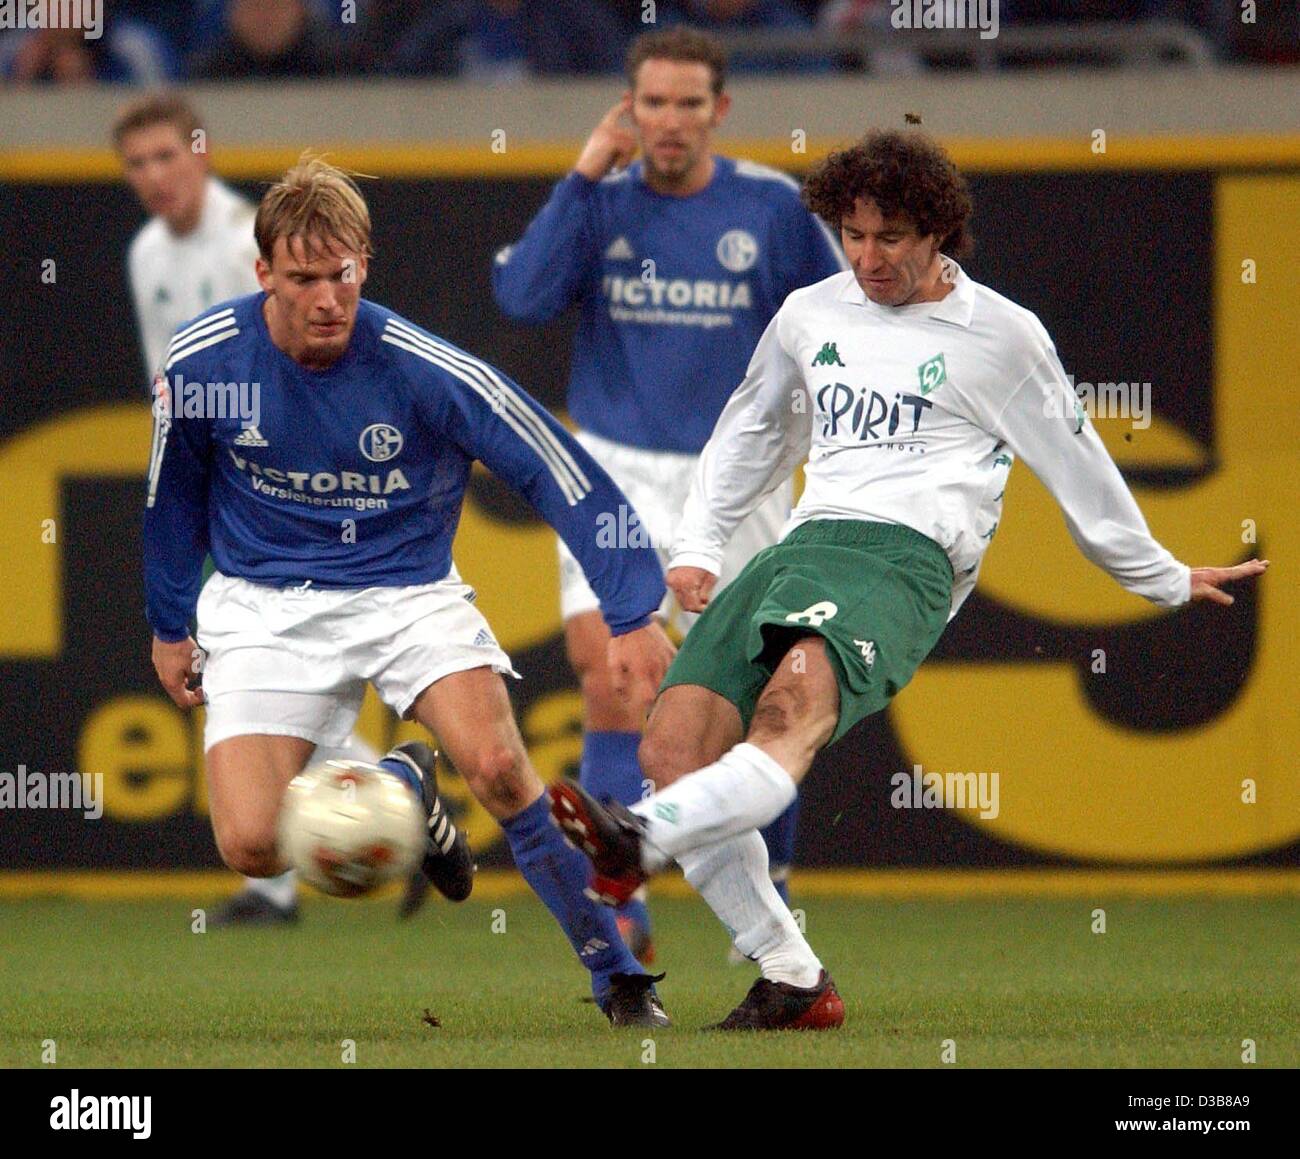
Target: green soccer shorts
879,594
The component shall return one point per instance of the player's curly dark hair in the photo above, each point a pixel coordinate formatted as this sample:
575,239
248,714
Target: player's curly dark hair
907,174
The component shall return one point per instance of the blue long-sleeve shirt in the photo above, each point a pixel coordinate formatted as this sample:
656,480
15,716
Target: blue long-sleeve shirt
260,462
675,292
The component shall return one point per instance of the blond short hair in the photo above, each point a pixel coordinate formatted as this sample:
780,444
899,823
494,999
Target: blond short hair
316,202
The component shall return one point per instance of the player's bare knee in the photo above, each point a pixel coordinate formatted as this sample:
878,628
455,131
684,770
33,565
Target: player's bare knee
663,759
496,777
249,854
773,717
605,710
785,708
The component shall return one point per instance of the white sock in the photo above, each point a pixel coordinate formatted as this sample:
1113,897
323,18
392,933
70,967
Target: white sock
732,877
744,790
281,890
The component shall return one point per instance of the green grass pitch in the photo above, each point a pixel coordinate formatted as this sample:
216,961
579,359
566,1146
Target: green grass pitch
1018,983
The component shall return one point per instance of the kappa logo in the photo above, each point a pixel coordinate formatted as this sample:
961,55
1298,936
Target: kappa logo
827,356
380,442
620,250
250,437
737,250
932,373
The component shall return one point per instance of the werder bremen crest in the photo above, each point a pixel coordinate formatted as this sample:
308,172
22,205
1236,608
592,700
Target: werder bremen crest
933,374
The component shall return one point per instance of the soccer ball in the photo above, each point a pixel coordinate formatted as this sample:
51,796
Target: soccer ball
348,827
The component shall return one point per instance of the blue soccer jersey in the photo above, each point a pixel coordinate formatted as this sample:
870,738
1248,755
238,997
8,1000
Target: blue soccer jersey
263,462
675,292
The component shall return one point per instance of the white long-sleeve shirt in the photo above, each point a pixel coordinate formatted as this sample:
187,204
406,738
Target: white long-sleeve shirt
914,415
174,279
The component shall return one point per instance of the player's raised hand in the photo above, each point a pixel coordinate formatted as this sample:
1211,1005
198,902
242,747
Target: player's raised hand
692,587
638,661
612,143
177,664
1206,581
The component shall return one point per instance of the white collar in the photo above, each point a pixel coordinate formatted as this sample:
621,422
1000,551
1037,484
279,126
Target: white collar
216,197
957,306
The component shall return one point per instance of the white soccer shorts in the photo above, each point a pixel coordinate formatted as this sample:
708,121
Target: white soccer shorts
295,661
657,484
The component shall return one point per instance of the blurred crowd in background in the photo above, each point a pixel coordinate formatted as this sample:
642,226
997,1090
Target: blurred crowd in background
500,41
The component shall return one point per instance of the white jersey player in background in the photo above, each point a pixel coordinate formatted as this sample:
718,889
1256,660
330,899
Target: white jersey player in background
196,250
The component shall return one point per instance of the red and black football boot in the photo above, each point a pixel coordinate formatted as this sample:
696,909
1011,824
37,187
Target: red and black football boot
780,1006
609,834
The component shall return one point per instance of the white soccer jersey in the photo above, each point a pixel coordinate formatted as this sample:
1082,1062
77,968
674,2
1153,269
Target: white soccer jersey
174,279
913,415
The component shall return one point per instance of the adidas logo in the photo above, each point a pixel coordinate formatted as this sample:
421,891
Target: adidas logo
251,437
619,250
483,639
592,947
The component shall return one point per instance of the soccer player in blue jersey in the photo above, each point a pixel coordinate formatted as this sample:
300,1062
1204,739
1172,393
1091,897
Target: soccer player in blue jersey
329,502
677,261
196,250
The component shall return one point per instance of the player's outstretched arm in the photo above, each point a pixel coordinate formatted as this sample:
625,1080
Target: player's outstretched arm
1207,582
176,664
496,421
1044,425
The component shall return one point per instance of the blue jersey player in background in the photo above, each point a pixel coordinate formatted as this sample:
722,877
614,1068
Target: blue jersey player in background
319,447
677,262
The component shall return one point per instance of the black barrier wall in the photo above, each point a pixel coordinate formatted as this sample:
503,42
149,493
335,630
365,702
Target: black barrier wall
1121,267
